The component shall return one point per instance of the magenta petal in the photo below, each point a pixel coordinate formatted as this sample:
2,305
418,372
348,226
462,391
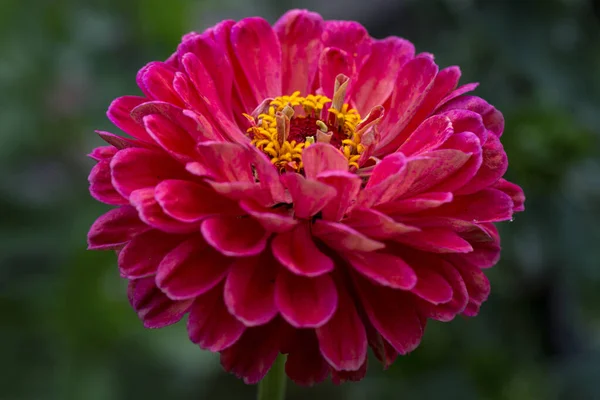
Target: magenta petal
115,228
414,82
489,205
171,137
103,153
152,306
142,255
299,32
349,36
101,187
514,191
343,340
235,237
385,269
386,182
343,238
476,282
428,136
393,314
376,224
250,290
377,77
333,62
191,202
304,364
436,241
151,213
192,268
305,302
119,112
137,168
347,185
322,157
272,219
259,54
296,250
339,377
226,162
382,349
492,118
431,286
253,354
156,81
417,203
309,196
210,325
494,165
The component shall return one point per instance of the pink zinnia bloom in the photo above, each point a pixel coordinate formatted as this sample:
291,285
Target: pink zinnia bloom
302,189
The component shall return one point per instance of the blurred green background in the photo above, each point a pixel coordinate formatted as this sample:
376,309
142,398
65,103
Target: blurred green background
67,331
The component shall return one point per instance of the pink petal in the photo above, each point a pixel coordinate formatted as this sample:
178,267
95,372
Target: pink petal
385,269
514,191
115,228
339,377
436,241
305,302
101,187
492,118
213,103
322,157
253,354
235,237
347,186
309,196
382,349
414,82
250,290
343,340
299,32
486,251
386,182
304,364
467,121
152,306
494,165
349,36
151,213
142,255
191,202
460,297
136,168
428,136
431,286
343,238
210,325
377,77
171,137
191,269
103,153
272,219
259,54
393,314
376,225
226,162
469,87
119,113
296,250
478,285
333,62
445,81
417,203
156,81
120,142
488,205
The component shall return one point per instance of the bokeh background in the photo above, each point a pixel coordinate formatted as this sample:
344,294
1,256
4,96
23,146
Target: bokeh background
67,331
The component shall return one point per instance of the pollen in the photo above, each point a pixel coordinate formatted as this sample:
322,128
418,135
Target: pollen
284,126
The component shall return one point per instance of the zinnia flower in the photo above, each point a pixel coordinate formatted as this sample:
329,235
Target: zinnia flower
302,189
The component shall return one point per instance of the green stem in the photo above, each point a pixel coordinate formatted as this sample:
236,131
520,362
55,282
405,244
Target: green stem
272,387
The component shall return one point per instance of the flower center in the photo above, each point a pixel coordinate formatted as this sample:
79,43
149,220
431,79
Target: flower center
284,126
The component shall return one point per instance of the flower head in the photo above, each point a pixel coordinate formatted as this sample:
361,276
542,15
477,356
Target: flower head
302,189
